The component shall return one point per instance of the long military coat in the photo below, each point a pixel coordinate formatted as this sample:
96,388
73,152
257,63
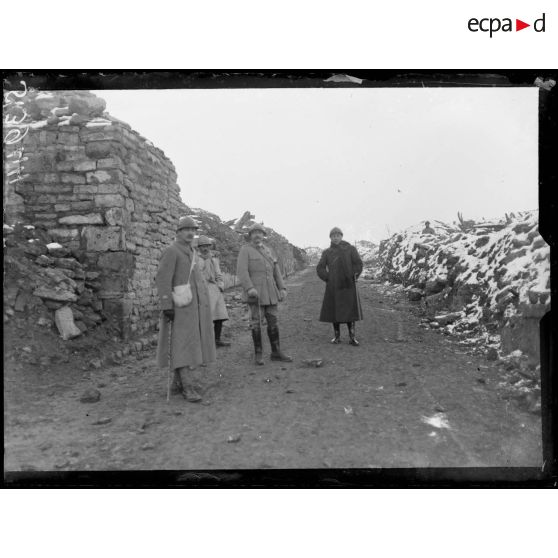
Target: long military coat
193,338
211,271
258,268
340,266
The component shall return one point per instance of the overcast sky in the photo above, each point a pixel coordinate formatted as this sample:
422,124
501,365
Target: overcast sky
365,160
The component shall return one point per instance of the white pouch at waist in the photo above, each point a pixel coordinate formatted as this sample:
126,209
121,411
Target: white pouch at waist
182,295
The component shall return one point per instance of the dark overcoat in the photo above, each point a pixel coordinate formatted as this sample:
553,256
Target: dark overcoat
193,340
340,266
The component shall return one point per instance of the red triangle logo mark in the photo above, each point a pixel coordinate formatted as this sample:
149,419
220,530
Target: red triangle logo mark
519,25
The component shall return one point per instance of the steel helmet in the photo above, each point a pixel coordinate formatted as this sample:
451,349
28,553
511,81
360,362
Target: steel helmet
204,241
256,227
187,222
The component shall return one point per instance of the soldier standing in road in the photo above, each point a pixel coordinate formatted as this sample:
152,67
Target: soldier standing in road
340,266
192,341
263,288
210,269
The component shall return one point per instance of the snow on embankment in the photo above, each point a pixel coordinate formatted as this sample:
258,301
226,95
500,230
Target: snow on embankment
493,278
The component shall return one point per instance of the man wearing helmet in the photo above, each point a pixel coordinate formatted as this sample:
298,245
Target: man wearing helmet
192,341
263,288
211,271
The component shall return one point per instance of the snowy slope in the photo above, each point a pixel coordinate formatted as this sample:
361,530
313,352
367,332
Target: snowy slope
484,276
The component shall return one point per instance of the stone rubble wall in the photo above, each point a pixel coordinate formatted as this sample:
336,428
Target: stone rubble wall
106,194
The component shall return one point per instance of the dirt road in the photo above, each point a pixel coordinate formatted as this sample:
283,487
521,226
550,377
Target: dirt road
407,397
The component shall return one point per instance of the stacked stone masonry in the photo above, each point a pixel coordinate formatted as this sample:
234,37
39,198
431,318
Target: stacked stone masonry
106,194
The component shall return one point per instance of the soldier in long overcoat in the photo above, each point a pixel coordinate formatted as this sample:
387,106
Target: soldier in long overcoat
192,340
211,271
340,266
263,288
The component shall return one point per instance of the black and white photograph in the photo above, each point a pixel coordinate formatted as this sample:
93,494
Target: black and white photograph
269,273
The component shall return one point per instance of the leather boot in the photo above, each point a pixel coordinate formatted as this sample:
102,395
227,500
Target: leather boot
257,338
218,327
337,339
352,338
276,353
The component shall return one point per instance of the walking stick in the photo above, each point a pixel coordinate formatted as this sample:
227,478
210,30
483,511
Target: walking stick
170,361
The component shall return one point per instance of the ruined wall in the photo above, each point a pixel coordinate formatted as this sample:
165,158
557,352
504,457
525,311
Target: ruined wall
103,192
110,199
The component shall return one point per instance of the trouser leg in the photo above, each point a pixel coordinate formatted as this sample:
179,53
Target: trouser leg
255,326
218,328
273,334
352,334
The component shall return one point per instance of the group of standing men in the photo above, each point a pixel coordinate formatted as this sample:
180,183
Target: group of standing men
190,331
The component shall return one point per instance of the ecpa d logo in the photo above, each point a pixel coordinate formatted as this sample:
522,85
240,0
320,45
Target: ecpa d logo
492,25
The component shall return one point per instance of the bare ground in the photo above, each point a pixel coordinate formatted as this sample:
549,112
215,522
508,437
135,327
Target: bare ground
365,406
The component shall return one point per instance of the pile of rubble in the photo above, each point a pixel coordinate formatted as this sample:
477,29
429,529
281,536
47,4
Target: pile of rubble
47,284
486,282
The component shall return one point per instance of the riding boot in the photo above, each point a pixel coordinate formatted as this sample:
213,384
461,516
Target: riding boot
352,338
276,353
337,339
218,327
257,338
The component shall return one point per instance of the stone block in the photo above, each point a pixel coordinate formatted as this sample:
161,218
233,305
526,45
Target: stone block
82,205
64,320
64,234
110,163
98,149
83,166
109,200
112,286
53,188
65,166
102,239
62,207
99,176
88,219
70,178
111,189
57,294
86,189
68,263
116,262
